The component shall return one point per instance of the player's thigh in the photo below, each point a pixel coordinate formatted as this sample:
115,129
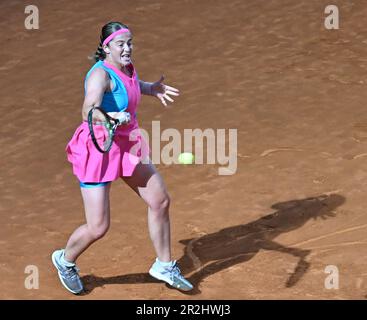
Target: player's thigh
97,204
147,182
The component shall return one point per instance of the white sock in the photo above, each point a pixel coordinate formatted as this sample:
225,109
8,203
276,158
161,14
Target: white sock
164,264
65,262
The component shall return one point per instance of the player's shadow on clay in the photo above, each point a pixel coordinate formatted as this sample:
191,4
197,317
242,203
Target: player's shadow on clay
211,253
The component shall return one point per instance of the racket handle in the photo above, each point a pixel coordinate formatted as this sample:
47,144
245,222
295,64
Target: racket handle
124,118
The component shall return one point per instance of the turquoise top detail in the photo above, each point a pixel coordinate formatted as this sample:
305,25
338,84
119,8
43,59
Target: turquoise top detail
117,100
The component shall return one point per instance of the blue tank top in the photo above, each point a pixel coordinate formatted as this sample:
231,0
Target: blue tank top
117,100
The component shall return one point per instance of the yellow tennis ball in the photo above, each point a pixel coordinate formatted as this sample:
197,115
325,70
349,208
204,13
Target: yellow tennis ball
186,158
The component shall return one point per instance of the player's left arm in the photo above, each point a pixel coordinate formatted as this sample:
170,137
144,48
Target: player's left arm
159,89
145,87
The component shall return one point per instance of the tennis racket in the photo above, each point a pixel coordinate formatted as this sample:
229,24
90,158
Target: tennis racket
102,127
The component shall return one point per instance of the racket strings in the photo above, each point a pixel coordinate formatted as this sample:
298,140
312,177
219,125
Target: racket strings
102,129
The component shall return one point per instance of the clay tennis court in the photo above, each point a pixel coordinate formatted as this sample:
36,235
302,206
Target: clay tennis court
295,92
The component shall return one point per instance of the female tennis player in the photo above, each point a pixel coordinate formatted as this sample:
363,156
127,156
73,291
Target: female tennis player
112,84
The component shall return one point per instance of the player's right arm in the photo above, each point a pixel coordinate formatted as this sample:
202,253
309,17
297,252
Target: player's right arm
96,85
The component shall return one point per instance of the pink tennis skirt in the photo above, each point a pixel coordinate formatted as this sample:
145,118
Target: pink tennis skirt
90,165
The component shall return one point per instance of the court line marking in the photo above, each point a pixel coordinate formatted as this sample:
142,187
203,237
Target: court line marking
328,235
360,155
343,244
269,151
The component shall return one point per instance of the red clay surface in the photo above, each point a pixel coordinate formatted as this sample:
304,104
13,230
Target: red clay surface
295,91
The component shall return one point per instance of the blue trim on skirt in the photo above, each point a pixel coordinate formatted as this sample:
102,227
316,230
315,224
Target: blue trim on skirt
93,184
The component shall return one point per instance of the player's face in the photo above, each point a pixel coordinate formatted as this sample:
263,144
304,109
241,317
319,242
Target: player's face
120,49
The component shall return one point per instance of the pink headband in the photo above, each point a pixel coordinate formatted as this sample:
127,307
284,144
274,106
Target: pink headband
112,35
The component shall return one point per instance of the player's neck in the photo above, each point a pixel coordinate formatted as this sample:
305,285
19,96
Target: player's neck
125,69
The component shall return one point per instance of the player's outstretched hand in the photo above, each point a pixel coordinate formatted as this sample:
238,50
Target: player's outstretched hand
163,92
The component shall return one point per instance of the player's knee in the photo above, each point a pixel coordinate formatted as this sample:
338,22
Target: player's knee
161,204
98,231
